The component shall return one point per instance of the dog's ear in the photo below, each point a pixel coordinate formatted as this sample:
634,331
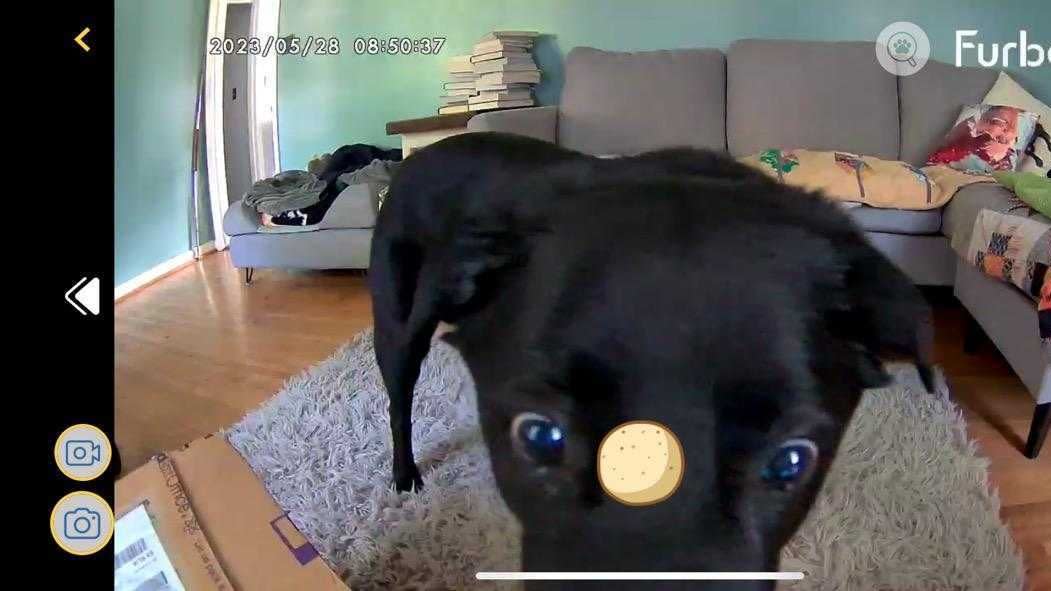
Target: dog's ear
883,313
483,249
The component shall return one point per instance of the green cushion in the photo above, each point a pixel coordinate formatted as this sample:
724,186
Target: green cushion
1032,188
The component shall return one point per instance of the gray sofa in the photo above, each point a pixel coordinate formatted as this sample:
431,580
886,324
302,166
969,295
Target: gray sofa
818,95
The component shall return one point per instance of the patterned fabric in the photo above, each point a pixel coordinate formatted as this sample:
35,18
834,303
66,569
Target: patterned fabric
987,138
780,161
842,176
1016,250
854,165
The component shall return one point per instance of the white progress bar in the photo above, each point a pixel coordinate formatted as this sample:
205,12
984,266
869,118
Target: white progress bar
639,576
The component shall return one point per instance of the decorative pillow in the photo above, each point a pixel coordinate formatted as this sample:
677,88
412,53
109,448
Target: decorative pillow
1008,92
986,138
846,177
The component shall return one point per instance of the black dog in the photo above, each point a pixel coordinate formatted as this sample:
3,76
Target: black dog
677,286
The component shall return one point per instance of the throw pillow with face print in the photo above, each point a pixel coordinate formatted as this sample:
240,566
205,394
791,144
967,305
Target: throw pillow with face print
987,138
1008,92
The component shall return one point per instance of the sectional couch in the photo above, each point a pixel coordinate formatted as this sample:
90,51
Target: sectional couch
763,94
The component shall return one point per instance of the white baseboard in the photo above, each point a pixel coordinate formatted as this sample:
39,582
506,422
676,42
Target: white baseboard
169,266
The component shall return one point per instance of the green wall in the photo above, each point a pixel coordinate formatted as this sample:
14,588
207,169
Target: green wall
158,53
328,101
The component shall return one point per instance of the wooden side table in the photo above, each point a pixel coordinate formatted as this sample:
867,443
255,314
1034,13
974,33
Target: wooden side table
417,133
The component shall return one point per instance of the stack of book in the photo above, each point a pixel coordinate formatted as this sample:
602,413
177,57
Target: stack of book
459,85
499,74
504,70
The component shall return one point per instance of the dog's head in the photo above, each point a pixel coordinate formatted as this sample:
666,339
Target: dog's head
745,316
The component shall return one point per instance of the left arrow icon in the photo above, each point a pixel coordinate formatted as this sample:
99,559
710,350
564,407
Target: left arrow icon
80,39
84,296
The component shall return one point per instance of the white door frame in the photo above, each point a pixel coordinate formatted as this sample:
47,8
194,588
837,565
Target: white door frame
262,101
262,96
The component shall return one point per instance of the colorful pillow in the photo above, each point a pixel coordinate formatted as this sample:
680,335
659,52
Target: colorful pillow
1008,92
846,177
987,138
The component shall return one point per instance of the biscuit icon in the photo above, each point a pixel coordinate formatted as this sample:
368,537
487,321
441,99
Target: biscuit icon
640,463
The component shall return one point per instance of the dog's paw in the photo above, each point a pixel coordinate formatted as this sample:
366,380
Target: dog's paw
409,481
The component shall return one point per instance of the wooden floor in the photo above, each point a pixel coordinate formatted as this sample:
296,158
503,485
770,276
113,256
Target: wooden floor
198,349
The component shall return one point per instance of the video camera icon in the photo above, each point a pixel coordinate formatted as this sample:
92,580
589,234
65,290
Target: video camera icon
81,452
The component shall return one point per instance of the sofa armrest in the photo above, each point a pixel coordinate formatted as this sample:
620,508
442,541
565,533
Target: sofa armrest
355,207
536,122
241,219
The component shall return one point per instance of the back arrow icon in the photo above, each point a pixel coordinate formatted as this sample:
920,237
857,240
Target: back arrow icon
80,39
84,296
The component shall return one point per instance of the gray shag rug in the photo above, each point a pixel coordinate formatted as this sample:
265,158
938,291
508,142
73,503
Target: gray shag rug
908,504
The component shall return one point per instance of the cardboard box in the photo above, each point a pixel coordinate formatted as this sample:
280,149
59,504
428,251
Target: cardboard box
219,526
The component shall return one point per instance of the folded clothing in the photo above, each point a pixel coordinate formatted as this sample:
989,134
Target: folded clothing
377,171
376,176
292,189
843,176
330,167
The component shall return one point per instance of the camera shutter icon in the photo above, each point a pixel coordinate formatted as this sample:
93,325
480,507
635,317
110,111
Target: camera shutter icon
82,523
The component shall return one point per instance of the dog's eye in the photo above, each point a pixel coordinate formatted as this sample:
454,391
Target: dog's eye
791,462
538,437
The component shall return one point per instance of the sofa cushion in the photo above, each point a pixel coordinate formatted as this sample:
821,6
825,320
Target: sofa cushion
626,103
897,221
959,216
810,94
931,100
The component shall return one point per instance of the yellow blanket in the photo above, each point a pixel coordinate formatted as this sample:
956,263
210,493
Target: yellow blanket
843,176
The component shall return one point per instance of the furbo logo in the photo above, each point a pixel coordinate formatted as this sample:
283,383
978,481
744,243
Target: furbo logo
902,48
1027,55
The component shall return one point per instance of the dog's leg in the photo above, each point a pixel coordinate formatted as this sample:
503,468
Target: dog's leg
404,322
400,355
